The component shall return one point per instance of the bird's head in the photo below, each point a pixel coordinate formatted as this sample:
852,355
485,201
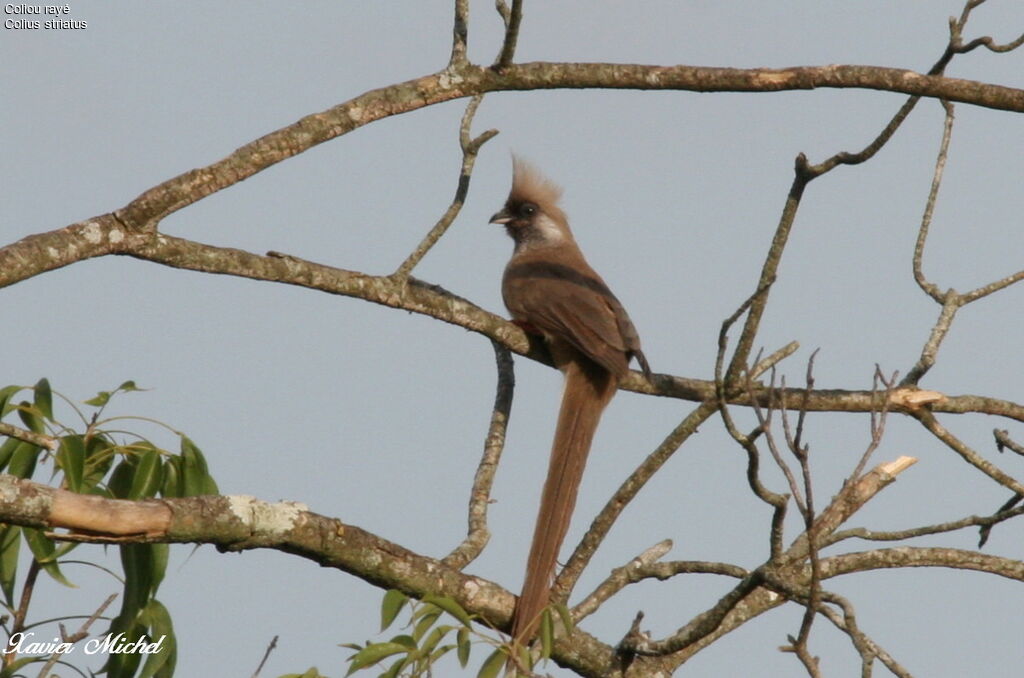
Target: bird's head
531,214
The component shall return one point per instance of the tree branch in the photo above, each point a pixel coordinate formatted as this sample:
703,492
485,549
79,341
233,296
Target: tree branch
145,212
240,523
603,522
734,608
470,148
513,18
42,440
480,495
105,235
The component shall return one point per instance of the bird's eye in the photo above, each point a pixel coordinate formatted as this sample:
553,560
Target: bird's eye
528,210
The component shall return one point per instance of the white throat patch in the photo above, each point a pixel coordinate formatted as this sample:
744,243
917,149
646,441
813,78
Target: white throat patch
551,231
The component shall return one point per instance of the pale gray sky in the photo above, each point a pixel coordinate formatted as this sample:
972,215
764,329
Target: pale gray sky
378,417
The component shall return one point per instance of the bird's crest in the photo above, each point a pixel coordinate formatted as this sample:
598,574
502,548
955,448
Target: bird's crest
529,185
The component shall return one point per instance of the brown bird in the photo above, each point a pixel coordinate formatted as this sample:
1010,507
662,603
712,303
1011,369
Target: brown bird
551,290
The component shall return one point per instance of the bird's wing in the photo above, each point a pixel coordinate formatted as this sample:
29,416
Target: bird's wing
576,307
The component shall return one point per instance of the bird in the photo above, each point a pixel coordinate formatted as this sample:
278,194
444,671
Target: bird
550,290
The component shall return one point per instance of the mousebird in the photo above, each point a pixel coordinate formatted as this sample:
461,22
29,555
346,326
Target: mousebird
551,290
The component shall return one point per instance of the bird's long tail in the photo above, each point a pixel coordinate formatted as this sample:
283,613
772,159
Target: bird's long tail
588,389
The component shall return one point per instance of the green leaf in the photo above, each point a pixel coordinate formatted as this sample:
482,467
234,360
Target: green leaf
62,549
103,397
191,451
524,655
5,397
10,545
167,670
439,652
99,400
451,607
547,633
435,637
464,645
23,461
392,604
148,475
492,667
161,554
122,479
197,479
373,654
43,549
405,640
395,668
173,485
161,630
44,398
7,450
31,417
426,621
98,460
137,564
313,672
71,460
563,612
124,664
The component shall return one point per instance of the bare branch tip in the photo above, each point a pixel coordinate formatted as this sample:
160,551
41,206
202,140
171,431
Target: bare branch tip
913,399
897,466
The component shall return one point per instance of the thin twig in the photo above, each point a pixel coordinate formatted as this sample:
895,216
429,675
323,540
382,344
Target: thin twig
804,173
956,28
938,68
699,627
1003,514
480,495
18,622
865,646
619,578
849,500
991,287
993,47
951,301
802,453
950,305
460,33
773,359
765,422
470,148
847,623
1005,442
868,649
266,656
611,511
49,442
878,419
930,288
769,273
513,18
747,442
795,442
967,453
78,635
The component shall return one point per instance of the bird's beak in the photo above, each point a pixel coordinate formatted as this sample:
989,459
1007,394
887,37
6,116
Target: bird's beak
502,217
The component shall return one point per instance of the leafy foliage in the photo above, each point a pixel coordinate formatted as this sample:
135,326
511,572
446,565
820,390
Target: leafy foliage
98,460
425,642
417,651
